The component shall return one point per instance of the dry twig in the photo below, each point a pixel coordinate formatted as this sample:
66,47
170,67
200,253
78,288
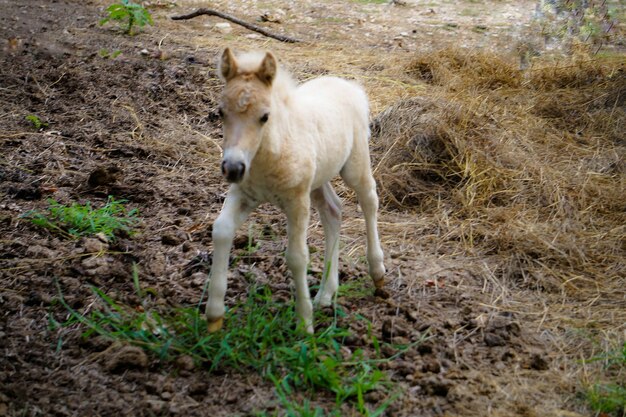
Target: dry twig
250,26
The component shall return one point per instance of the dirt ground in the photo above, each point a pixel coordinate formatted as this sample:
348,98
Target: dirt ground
145,121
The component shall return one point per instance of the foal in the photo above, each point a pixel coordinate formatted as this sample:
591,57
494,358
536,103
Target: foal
283,143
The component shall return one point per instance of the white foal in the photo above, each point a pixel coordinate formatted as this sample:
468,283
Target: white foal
283,143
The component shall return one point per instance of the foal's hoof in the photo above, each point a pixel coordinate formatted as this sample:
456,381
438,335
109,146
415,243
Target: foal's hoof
215,325
382,293
380,290
379,283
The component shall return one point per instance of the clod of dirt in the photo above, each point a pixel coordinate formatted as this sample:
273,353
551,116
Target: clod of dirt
382,293
434,385
187,246
185,362
387,330
431,365
4,408
172,239
95,344
493,339
25,193
104,176
403,368
243,241
40,252
425,348
93,245
126,357
198,389
539,363
199,263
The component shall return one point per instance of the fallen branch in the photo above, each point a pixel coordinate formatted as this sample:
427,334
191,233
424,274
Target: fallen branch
255,28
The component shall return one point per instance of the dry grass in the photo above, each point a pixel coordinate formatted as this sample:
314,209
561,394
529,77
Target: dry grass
525,171
531,164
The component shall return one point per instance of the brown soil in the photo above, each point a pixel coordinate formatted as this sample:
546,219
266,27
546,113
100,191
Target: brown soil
142,127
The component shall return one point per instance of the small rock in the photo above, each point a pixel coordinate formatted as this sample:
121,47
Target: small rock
198,279
156,406
144,52
166,395
223,27
102,237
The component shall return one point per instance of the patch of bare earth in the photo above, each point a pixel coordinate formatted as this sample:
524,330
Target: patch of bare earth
142,126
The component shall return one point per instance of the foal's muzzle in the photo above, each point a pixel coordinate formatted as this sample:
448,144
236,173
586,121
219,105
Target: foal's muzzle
233,171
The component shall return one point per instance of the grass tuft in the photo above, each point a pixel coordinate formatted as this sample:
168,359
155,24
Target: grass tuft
77,220
260,337
610,398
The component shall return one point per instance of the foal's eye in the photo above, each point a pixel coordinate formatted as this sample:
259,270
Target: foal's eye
264,118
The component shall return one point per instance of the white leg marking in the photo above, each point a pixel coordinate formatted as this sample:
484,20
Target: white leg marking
234,212
328,205
298,256
369,203
359,177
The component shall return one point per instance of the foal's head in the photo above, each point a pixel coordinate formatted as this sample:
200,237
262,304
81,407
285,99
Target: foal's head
245,108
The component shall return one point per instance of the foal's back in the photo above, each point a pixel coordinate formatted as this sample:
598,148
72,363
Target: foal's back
333,123
334,97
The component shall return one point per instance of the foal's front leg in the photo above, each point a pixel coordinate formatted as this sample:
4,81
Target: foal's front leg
234,212
297,210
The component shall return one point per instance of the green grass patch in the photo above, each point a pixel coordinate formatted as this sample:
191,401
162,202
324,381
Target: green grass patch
610,398
36,122
113,219
260,336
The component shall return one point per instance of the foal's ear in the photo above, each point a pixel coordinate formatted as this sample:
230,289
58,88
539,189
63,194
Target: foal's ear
228,65
268,68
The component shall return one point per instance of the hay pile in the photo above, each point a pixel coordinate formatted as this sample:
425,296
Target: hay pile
526,166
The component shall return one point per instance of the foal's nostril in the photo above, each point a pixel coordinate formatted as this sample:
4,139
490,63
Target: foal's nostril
233,171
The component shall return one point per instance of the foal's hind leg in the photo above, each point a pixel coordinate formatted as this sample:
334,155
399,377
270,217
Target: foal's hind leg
357,173
325,200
